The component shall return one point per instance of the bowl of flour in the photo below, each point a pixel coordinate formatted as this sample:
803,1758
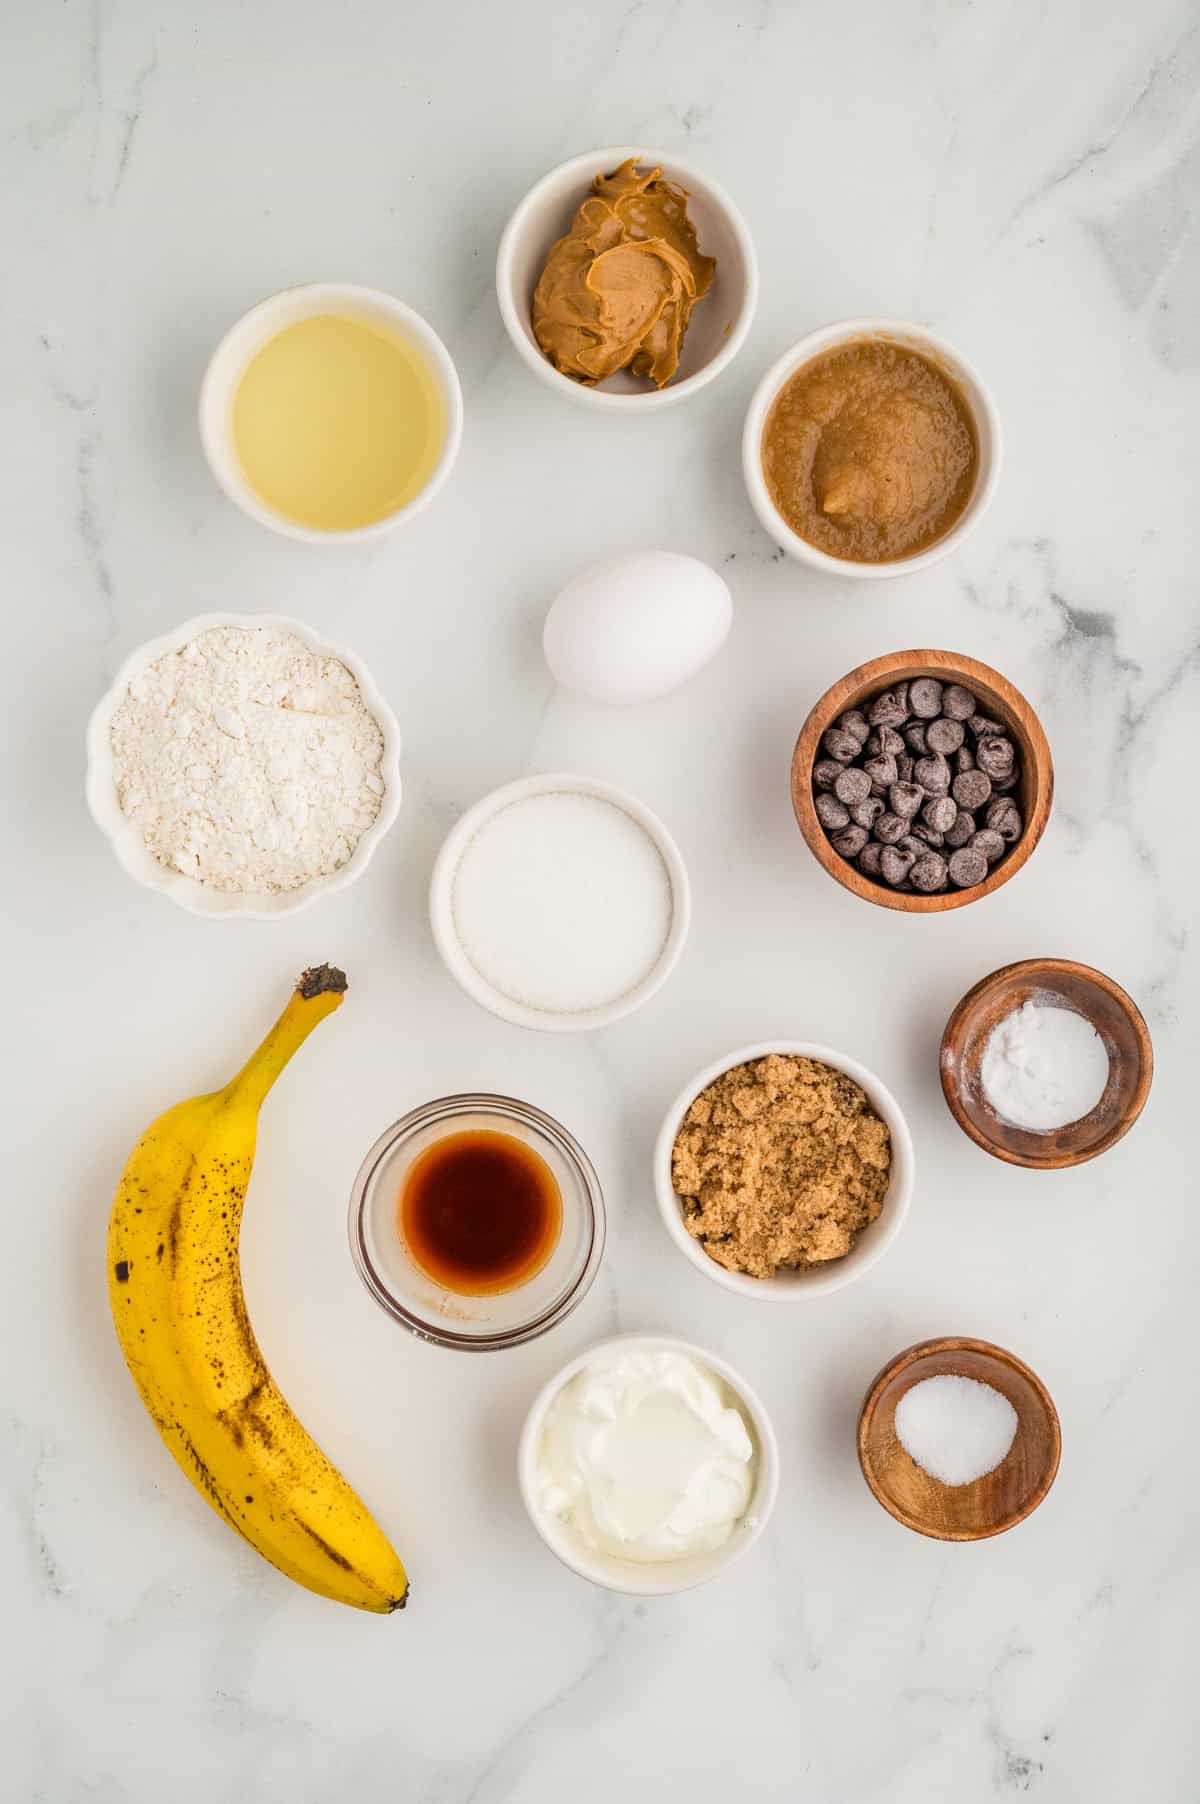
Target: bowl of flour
243,766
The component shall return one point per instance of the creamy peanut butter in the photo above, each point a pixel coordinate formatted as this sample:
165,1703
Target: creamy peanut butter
617,292
869,452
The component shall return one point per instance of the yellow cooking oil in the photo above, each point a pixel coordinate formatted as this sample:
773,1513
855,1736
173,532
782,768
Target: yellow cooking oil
337,422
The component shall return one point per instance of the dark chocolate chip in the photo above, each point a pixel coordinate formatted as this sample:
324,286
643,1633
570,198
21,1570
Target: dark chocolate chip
915,740
895,865
891,708
957,703
945,736
928,835
865,814
940,813
971,788
904,767
852,785
997,757
883,741
962,831
889,828
933,775
967,866
984,727
925,697
928,874
1005,817
824,772
905,798
854,722
880,773
870,859
989,842
832,816
840,745
964,758
850,841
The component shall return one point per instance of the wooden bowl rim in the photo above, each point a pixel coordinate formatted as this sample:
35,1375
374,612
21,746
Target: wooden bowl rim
839,697
952,1039
956,1343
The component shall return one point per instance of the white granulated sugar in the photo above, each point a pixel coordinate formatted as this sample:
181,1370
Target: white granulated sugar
562,902
956,1429
1043,1067
247,760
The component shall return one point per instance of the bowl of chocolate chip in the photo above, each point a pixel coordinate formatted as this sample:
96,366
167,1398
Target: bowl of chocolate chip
922,781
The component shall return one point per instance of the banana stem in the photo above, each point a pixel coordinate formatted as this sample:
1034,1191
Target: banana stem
319,991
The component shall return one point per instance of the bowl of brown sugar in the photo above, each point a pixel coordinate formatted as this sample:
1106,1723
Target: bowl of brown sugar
871,449
784,1170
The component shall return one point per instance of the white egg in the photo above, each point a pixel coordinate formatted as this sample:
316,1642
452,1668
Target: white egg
636,627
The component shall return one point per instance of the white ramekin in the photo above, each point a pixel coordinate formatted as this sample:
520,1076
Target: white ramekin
983,410
263,322
718,325
127,841
636,1578
441,905
872,1243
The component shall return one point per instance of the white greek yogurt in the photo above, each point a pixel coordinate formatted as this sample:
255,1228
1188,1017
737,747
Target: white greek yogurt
647,1456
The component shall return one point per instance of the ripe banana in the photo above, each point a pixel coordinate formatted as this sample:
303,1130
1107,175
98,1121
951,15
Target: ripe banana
175,1286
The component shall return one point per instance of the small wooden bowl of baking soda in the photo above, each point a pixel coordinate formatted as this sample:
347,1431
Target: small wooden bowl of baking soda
958,1439
1046,1063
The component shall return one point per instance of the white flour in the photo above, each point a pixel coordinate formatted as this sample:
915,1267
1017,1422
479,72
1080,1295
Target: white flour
247,760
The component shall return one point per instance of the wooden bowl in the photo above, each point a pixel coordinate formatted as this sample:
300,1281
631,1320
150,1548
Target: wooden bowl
1000,700
991,1504
1115,1017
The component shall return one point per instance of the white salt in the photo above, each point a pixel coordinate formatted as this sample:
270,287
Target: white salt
956,1429
1043,1067
563,902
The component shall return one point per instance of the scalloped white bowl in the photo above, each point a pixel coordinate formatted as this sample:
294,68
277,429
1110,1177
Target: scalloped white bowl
127,841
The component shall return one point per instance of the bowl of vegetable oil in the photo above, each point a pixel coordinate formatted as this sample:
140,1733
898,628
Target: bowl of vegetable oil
331,412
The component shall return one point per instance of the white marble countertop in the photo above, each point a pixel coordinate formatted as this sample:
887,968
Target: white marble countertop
1020,177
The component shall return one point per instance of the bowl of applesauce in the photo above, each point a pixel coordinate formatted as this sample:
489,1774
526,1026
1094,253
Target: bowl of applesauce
871,449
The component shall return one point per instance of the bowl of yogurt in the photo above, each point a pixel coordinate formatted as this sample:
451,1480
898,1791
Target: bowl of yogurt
648,1465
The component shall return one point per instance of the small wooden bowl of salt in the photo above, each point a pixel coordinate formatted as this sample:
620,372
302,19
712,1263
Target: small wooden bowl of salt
1046,1063
958,1439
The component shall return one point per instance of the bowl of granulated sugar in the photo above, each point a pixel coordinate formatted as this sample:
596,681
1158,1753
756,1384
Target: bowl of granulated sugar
559,903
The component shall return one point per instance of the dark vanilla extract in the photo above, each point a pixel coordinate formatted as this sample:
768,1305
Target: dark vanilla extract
480,1211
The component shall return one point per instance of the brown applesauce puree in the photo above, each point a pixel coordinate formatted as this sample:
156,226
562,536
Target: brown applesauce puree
870,452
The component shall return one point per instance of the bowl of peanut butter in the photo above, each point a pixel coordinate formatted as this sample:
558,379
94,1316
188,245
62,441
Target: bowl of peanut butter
626,279
871,449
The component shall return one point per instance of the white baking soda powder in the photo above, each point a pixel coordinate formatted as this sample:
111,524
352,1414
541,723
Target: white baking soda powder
562,902
1043,1067
956,1429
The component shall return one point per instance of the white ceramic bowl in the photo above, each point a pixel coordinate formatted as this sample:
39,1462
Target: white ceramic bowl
718,325
872,1243
441,905
635,1577
127,841
987,428
228,363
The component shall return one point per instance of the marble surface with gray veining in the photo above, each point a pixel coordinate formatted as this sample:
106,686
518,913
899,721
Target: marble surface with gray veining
1021,176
